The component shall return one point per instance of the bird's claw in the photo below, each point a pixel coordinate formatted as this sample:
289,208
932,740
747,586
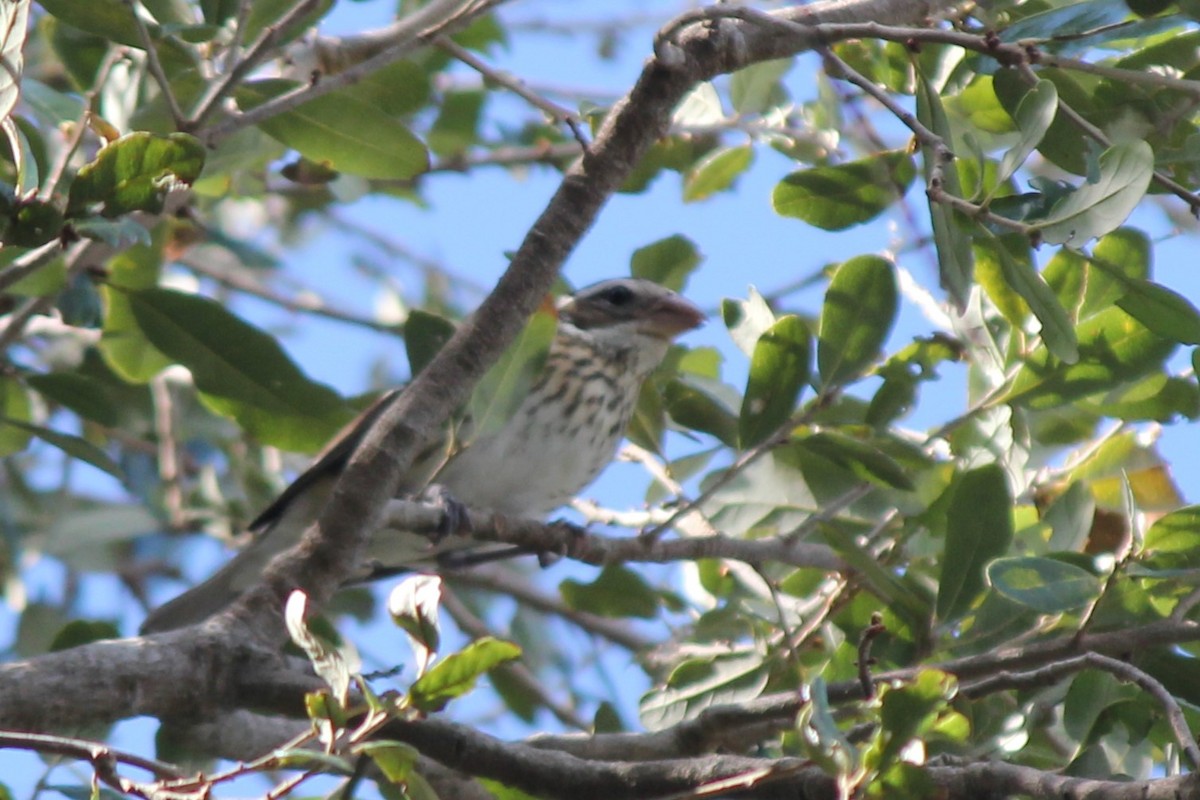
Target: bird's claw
571,535
456,519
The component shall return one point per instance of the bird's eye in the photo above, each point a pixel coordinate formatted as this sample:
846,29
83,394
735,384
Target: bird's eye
618,295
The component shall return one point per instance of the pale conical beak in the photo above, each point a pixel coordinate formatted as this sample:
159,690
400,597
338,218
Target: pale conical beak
670,317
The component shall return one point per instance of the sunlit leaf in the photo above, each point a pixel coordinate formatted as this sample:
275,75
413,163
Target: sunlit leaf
134,173
1113,347
457,673
747,320
1034,115
1046,585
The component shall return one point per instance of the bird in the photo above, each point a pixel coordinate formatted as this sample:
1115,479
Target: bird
609,338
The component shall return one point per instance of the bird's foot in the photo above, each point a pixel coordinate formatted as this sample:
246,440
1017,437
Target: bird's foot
456,519
570,538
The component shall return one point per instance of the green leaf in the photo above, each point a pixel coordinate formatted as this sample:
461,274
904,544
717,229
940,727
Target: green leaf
979,527
857,315
956,264
861,458
1046,585
779,369
111,19
134,173
700,683
1034,115
716,172
83,631
117,233
395,760
424,336
341,130
747,320
1098,207
507,383
668,261
1064,144
1058,332
1113,347
457,125
837,197
616,592
908,711
456,675
1124,252
1162,310
1173,542
15,406
1067,21
692,407
74,446
243,371
758,87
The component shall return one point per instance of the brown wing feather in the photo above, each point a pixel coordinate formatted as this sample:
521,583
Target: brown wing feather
329,462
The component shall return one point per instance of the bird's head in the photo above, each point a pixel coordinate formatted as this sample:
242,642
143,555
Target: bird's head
630,314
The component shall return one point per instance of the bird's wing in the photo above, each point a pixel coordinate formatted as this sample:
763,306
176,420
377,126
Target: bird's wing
328,465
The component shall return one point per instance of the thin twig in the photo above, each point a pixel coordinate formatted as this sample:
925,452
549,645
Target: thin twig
30,262
518,672
519,588
155,65
261,48
409,34
1125,671
556,112
168,456
865,662
63,157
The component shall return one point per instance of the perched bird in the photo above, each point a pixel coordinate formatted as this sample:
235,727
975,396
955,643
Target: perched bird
610,337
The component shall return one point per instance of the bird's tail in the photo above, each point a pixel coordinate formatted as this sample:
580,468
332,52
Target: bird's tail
213,594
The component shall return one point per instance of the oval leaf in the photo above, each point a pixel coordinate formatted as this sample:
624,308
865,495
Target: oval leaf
1046,585
1057,330
979,527
836,197
341,130
1096,208
716,172
859,457
667,262
134,173
243,371
457,674
616,592
1162,310
778,371
1113,347
1034,115
858,313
